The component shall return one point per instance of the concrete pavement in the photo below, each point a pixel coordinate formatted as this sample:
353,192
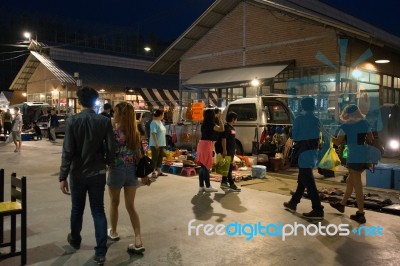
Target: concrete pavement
167,207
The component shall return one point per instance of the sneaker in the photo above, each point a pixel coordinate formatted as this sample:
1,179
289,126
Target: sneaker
202,189
290,206
71,242
152,179
132,248
234,188
314,215
224,185
16,150
358,217
100,260
110,236
211,189
153,176
338,206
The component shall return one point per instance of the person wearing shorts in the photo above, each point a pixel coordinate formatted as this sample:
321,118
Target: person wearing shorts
17,129
123,173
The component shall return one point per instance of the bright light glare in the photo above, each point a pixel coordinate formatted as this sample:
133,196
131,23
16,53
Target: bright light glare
147,49
356,73
382,61
27,35
394,144
255,83
97,103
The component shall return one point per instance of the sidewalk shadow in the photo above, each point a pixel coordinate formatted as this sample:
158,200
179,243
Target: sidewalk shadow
230,201
202,208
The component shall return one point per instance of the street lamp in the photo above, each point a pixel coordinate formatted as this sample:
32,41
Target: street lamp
27,35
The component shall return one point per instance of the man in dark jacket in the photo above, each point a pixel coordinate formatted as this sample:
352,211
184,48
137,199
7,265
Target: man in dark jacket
89,146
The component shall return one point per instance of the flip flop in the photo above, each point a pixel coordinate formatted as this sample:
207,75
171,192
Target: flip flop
132,248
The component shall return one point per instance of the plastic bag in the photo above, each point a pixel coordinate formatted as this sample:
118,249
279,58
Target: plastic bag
330,160
345,152
223,163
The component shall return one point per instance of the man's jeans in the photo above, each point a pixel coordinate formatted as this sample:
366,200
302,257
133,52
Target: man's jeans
306,180
94,186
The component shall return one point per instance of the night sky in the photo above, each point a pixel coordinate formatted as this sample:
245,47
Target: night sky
165,19
168,19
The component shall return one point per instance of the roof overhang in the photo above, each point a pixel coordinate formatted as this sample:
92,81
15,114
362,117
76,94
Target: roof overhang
234,77
168,61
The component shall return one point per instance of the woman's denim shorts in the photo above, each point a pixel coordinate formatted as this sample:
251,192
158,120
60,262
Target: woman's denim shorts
122,176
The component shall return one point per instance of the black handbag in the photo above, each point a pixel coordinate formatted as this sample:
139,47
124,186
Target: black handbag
255,146
144,167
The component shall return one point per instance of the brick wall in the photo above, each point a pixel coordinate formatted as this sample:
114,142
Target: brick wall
269,36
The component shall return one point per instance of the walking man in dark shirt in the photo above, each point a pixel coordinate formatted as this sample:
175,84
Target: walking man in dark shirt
306,131
88,148
226,145
106,110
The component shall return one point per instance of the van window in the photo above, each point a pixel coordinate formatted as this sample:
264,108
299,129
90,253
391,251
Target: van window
276,113
245,112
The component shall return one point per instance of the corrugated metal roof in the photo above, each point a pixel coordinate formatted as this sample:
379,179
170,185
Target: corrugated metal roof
168,62
51,65
233,76
93,74
25,73
113,77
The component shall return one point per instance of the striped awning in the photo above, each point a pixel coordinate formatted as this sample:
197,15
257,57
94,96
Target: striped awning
159,98
209,97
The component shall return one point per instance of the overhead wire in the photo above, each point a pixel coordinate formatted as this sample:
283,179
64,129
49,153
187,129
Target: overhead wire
8,59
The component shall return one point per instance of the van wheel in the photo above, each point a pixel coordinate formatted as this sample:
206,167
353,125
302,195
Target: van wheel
239,148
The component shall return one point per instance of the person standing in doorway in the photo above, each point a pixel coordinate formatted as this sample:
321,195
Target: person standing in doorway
53,125
7,124
209,132
226,145
305,132
17,129
89,147
157,142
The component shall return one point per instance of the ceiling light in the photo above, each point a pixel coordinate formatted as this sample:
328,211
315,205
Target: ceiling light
255,82
356,73
382,61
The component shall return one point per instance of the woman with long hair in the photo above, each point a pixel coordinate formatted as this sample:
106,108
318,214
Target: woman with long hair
356,131
209,133
122,175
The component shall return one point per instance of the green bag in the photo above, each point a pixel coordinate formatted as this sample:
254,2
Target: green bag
223,163
345,152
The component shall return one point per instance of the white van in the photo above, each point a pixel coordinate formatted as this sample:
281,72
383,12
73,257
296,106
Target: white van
31,111
256,113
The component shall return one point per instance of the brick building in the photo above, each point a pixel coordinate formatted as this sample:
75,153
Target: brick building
307,47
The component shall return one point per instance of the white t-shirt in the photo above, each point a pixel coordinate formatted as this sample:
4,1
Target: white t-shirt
16,123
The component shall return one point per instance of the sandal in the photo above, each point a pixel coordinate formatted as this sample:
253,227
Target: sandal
110,236
132,248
